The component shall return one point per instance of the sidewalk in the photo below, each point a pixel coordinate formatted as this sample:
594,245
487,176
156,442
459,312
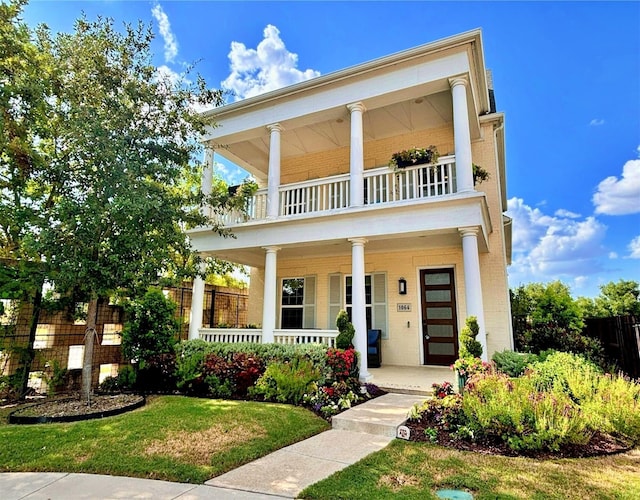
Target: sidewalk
283,474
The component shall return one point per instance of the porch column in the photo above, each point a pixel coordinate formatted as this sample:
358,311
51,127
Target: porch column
270,294
356,192
462,135
273,179
197,306
197,294
473,283
359,304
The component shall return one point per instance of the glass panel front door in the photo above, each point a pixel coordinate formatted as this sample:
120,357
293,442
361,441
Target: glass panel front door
439,323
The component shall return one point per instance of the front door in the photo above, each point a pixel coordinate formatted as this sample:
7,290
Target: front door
439,322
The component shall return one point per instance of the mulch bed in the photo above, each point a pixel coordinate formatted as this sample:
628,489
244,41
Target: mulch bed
600,444
74,408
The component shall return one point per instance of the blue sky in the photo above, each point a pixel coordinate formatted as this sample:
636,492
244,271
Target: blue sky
566,74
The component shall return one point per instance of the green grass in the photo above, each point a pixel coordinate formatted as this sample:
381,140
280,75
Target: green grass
173,438
406,470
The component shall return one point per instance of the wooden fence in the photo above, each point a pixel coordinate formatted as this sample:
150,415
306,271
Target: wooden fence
620,337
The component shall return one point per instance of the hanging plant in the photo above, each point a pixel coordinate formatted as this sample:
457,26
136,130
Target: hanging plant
414,156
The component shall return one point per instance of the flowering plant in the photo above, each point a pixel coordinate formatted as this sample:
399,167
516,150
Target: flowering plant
414,156
440,391
339,396
341,362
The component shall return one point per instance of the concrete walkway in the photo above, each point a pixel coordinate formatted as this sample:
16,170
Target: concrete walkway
285,473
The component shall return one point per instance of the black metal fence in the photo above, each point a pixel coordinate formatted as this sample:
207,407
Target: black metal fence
225,309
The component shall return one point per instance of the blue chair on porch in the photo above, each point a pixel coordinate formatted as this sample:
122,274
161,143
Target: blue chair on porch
374,355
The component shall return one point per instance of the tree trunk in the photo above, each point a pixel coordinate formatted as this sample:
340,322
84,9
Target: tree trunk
89,338
27,356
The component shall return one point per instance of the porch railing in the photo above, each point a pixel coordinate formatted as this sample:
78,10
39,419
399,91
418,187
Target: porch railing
231,335
238,335
381,185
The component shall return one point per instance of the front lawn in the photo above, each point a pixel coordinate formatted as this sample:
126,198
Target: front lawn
409,470
173,438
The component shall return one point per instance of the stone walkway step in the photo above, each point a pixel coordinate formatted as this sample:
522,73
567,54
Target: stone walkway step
381,416
288,471
356,433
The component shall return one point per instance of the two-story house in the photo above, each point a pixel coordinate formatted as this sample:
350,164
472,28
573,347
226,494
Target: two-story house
410,251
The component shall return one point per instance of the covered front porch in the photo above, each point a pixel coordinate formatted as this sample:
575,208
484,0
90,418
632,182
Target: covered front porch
392,378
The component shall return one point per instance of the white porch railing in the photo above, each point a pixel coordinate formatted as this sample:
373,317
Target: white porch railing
327,337
231,335
237,335
381,185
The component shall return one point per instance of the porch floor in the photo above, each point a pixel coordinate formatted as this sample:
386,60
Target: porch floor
411,379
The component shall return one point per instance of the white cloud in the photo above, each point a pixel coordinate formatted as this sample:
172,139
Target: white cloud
170,42
613,255
634,248
620,196
548,247
596,122
268,67
567,213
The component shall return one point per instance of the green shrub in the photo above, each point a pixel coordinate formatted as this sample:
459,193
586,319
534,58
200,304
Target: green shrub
126,378
190,369
286,382
151,328
469,346
512,363
515,412
344,340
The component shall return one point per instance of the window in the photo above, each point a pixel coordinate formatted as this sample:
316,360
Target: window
112,334
44,336
292,303
76,356
10,311
80,313
349,297
297,305
375,290
108,370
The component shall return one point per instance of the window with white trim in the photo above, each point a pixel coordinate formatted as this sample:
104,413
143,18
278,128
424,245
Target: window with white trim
112,334
76,357
375,301
297,303
44,336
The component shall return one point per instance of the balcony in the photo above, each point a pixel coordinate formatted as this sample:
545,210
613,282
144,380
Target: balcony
331,194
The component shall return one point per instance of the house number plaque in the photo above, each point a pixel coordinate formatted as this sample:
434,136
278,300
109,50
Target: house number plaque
404,307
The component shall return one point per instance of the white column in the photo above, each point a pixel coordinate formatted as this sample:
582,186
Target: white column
462,135
273,180
197,306
357,155
206,182
473,283
270,295
359,304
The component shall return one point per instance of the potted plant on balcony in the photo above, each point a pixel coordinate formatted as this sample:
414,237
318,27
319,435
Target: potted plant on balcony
414,156
479,174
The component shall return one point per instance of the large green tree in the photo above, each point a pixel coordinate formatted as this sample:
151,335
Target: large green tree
619,298
103,166
25,85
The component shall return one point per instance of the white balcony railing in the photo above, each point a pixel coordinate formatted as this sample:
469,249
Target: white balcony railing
381,185
238,335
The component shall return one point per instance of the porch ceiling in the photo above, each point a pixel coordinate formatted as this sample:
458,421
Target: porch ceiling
332,248
331,129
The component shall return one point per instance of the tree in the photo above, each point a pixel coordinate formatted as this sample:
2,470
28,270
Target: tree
121,145
25,85
619,299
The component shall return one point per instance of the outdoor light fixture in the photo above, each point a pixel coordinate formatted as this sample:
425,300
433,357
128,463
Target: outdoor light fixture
402,286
